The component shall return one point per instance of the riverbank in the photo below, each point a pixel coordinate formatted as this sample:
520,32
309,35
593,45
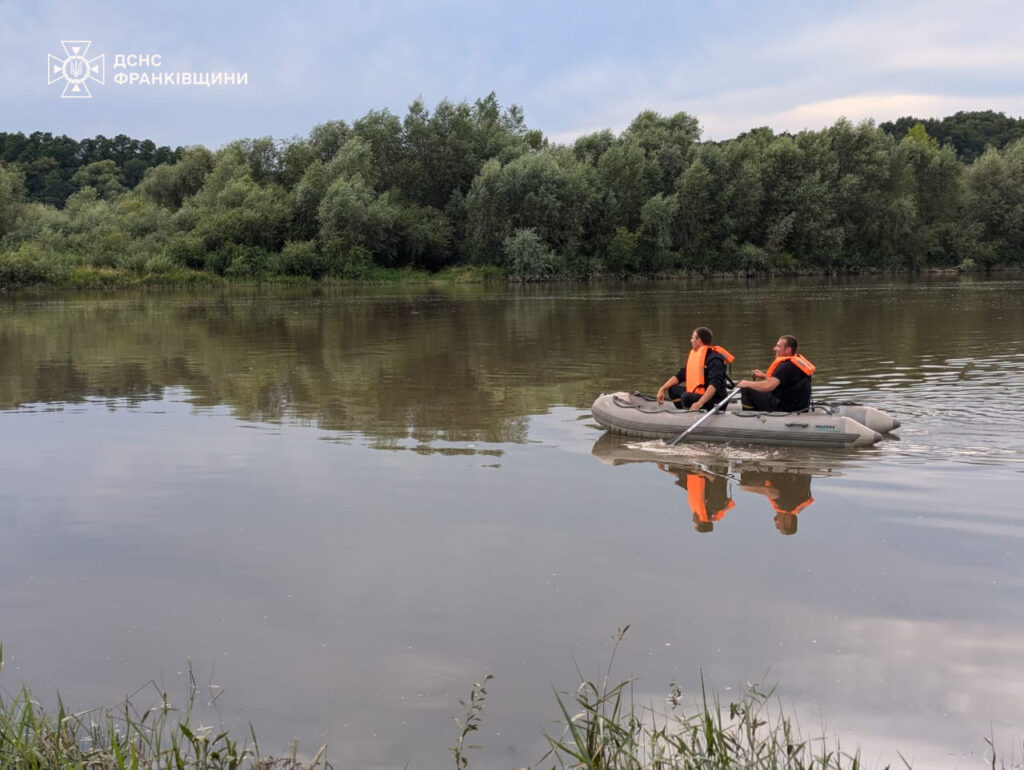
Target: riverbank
26,274
598,725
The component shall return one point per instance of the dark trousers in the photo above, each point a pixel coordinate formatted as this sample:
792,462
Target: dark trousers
683,399
759,400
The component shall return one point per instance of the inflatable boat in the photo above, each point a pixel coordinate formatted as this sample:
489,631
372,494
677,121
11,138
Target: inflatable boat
837,425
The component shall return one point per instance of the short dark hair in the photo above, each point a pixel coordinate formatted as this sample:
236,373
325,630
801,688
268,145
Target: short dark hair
785,523
703,334
790,341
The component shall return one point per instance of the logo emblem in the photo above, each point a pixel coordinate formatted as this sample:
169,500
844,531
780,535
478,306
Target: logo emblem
75,68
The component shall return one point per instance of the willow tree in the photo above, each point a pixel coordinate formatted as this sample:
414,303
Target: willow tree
12,193
548,192
994,199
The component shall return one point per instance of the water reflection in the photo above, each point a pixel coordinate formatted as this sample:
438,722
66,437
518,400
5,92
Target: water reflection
473,364
388,494
788,492
707,493
709,476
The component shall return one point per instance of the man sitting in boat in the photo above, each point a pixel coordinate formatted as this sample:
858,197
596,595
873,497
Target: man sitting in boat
700,384
785,387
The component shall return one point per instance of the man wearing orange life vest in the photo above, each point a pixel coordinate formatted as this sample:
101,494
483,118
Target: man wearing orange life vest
785,387
700,384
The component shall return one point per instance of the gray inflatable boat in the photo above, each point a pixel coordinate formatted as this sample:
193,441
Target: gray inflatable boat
825,425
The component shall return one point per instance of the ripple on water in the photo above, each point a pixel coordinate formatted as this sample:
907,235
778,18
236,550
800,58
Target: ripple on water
965,410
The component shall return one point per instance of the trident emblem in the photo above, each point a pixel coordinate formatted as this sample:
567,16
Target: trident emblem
75,69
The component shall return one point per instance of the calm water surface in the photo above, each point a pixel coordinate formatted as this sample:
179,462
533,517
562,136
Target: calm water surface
344,508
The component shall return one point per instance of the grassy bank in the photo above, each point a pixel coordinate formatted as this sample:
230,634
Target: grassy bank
602,727
28,273
18,274
128,737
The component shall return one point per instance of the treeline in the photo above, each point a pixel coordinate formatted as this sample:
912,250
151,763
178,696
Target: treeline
968,133
52,167
473,185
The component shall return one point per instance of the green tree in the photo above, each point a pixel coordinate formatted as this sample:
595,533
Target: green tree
353,223
104,176
169,185
994,199
353,158
621,171
445,151
928,189
968,133
327,138
528,258
231,210
12,193
621,256
591,147
382,132
856,162
666,143
655,234
549,191
697,231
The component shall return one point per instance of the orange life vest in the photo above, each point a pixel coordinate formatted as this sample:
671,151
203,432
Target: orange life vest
798,360
695,366
794,511
695,486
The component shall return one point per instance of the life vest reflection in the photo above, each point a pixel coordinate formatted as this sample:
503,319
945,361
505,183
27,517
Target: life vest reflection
788,492
709,482
707,494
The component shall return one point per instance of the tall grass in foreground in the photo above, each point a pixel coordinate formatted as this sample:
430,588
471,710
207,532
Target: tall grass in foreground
126,738
604,728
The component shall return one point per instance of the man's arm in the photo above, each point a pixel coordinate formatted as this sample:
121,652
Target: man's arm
764,386
673,380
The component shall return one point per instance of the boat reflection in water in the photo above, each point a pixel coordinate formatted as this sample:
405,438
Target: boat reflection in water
709,476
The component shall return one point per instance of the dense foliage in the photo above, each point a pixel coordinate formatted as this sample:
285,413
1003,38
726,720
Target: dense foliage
471,184
969,133
56,166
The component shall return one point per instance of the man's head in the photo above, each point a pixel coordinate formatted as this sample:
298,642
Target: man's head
785,523
786,346
701,336
700,525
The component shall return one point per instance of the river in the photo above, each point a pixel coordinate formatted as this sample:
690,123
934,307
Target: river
341,508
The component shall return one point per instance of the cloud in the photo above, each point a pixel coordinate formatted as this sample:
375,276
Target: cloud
877,107
573,69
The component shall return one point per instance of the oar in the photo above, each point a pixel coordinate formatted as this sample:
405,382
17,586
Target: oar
694,427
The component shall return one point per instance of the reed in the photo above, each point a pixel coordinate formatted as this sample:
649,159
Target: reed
161,736
604,727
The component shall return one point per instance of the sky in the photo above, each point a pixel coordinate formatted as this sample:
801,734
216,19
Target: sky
573,66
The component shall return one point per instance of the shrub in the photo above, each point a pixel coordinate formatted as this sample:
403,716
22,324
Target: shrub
30,266
527,257
303,258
